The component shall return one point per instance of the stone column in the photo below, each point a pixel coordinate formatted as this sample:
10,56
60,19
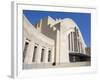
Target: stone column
84,49
41,23
23,44
57,46
38,54
73,40
70,43
79,46
52,55
46,55
77,42
67,51
29,54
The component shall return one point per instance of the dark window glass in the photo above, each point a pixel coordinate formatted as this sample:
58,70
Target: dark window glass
25,50
34,53
42,55
49,56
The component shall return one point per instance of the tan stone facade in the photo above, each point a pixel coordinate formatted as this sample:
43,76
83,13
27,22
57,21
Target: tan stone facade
53,43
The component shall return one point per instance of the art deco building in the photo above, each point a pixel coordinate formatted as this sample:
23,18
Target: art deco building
53,43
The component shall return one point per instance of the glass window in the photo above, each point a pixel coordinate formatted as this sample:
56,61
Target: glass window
34,53
42,55
49,56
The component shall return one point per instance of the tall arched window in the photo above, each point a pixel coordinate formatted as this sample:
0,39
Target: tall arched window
70,41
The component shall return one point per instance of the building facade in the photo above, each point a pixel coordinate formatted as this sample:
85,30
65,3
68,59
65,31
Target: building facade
53,42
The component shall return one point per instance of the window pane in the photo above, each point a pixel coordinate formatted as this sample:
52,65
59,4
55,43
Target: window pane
42,54
34,53
49,56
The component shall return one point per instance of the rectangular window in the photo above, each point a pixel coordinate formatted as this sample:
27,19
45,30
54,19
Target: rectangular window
42,55
34,53
25,50
49,56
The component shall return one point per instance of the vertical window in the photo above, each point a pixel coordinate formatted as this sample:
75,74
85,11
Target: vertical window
34,53
42,55
71,41
74,59
25,50
49,56
81,48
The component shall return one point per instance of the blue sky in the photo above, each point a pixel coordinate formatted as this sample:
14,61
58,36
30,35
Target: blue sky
83,20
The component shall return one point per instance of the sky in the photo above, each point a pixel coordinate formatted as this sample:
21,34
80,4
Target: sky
83,20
